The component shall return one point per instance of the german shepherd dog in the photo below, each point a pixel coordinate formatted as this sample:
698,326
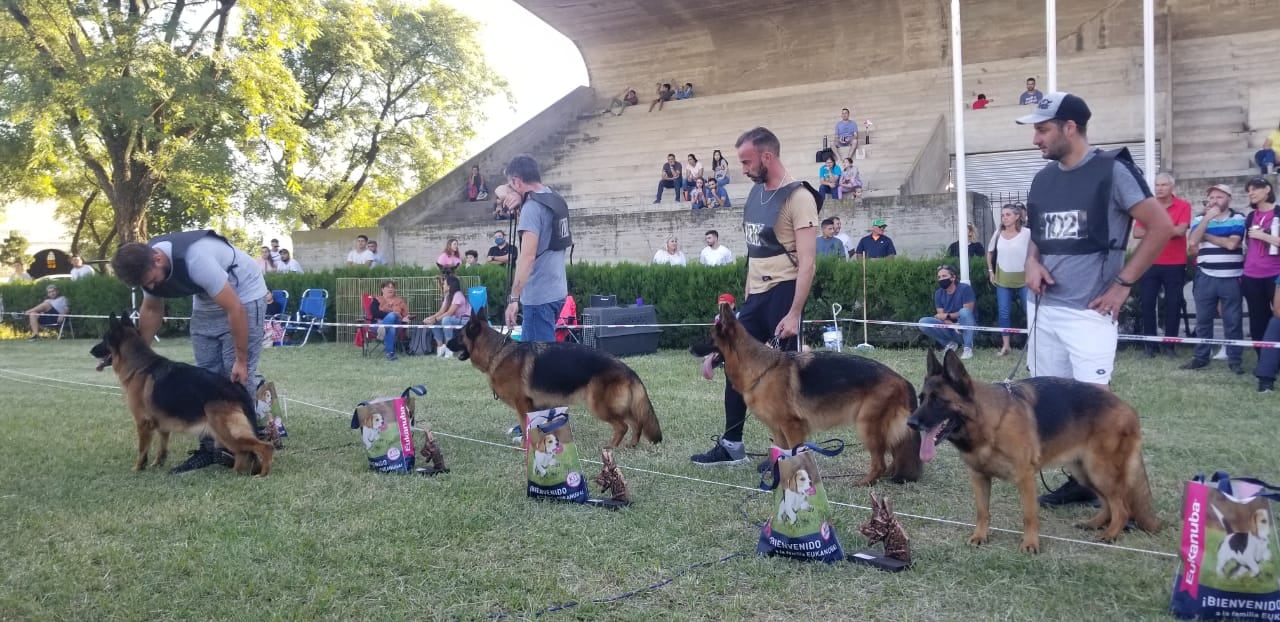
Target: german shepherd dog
1013,430
794,394
536,376
166,396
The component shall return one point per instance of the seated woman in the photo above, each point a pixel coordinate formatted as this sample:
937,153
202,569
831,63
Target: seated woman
476,188
975,247
850,180
828,179
451,258
455,310
628,97
388,310
720,168
698,196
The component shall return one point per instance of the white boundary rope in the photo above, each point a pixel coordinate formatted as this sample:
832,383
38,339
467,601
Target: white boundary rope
6,374
294,324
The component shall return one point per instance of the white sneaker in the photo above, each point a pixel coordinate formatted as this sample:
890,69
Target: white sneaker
1222,354
967,354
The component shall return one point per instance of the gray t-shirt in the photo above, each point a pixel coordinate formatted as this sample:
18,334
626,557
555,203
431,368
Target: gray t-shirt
547,283
1078,279
207,262
60,305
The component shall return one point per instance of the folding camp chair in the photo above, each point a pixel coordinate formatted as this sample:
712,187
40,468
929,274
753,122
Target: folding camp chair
367,335
567,321
310,315
278,308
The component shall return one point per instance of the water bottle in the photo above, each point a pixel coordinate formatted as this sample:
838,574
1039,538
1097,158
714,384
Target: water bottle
639,302
1274,249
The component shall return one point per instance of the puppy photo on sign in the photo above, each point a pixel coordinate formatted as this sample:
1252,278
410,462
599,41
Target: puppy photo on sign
386,430
552,465
800,525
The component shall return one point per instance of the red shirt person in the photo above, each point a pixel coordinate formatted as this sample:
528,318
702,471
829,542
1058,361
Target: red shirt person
1169,272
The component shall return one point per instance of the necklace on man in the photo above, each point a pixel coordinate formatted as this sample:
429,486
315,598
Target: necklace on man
781,185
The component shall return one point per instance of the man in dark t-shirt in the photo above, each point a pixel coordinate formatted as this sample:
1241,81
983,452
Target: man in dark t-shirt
501,253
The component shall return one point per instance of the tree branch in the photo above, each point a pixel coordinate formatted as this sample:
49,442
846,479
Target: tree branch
175,18
55,68
84,213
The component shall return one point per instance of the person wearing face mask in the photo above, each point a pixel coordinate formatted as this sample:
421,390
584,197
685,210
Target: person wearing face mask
501,253
953,304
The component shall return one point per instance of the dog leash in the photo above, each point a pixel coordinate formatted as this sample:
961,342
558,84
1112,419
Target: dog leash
1022,356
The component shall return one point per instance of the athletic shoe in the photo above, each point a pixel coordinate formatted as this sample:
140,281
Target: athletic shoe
201,458
721,455
517,437
967,354
1221,355
949,347
1266,385
1236,368
1195,364
391,356
1069,493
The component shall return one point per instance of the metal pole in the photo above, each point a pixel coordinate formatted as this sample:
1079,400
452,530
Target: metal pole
1051,43
1149,90
958,108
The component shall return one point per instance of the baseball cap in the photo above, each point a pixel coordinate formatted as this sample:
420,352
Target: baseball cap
726,298
1225,189
1059,105
879,222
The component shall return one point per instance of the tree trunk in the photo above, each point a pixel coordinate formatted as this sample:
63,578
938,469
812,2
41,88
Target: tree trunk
84,215
131,216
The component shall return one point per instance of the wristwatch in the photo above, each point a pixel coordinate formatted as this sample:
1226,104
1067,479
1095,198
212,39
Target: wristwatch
511,299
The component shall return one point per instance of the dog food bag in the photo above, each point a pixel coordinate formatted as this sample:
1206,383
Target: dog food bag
270,411
552,457
1229,565
386,428
800,524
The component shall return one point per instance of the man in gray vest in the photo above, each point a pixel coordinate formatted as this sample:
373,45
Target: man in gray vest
779,219
1080,209
227,307
539,283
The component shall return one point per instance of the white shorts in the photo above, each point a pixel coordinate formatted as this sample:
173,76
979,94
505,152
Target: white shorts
1071,343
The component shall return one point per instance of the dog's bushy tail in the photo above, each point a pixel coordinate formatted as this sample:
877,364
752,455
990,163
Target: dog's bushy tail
1143,513
642,407
907,466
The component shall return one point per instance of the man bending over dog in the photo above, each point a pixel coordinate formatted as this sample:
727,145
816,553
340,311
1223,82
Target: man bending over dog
779,220
1080,209
227,307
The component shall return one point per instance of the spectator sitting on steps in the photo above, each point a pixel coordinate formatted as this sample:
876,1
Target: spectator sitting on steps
378,259
1031,96
470,258
1265,158
877,245
850,180
692,173
828,179
451,257
698,196
981,102
670,255
846,135
716,195
664,94
476,188
714,253
672,177
501,253
626,98
360,255
685,92
287,263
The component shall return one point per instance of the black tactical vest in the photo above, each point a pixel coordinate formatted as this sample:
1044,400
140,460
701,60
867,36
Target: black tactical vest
179,283
759,216
561,237
1067,210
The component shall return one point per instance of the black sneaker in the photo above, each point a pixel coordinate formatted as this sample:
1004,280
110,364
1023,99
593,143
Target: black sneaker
721,456
764,465
1070,493
1236,368
1266,385
1149,352
1195,364
203,458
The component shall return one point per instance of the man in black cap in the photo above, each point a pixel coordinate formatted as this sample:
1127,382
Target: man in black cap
1080,210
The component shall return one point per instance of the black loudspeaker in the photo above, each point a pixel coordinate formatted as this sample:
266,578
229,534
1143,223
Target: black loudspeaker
621,341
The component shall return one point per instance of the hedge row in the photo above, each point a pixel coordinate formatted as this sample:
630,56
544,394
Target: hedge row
899,289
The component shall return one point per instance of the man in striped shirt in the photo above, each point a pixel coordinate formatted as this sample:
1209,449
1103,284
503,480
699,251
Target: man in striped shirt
1219,263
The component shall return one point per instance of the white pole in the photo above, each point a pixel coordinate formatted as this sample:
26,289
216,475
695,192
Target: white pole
1051,43
958,107
1149,90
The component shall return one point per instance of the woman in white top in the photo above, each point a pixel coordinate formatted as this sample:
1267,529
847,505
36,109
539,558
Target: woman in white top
669,256
692,172
1006,258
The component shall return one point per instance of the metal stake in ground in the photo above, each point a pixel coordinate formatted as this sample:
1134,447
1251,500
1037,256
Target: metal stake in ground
864,346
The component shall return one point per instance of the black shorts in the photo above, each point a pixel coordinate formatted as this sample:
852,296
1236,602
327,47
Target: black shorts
761,313
50,320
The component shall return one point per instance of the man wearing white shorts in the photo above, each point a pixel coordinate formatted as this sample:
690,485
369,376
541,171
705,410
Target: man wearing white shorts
1080,210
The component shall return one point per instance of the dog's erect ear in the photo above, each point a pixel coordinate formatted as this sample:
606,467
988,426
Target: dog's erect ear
932,366
480,315
953,370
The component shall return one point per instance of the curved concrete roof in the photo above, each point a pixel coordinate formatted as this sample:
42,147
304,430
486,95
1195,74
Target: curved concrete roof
737,45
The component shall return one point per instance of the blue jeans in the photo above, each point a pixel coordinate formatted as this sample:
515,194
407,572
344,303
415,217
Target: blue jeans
1208,292
539,324
389,340
1269,360
443,335
1264,157
948,335
677,183
1004,303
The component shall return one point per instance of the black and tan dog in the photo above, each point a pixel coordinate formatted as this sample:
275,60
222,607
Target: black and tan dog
167,396
537,376
1011,431
794,394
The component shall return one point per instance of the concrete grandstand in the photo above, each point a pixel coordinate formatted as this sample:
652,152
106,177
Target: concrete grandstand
791,66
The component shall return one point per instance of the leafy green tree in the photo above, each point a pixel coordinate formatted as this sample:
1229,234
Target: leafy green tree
147,96
13,250
392,91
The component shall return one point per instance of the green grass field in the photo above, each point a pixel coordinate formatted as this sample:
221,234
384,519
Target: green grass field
84,538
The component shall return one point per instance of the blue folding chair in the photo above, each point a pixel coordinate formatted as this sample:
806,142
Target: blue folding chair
310,315
279,307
